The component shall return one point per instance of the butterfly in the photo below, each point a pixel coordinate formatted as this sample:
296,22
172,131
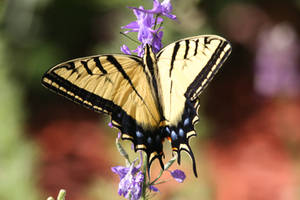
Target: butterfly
149,98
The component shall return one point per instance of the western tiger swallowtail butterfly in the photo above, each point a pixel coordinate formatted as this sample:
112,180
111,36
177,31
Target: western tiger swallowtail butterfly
149,98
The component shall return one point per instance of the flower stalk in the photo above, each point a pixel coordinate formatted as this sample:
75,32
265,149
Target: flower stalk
135,181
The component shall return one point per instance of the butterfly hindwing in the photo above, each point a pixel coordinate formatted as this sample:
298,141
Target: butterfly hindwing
185,68
117,85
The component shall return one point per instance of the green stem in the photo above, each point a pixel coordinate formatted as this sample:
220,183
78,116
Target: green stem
145,185
166,167
123,152
61,194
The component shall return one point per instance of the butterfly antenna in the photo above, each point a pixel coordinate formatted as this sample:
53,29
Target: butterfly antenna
122,33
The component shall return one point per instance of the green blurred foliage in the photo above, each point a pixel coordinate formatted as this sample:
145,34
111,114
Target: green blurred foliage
17,154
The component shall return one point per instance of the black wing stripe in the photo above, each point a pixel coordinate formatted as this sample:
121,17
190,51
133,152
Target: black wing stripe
196,48
149,61
137,59
158,55
187,47
84,95
68,66
99,65
86,67
114,62
207,68
72,65
150,64
175,51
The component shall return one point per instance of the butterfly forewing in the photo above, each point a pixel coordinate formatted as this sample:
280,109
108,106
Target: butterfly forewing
185,69
117,85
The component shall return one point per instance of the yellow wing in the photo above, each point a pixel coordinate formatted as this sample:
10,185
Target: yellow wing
185,68
117,85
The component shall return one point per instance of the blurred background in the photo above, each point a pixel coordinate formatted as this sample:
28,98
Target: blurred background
248,143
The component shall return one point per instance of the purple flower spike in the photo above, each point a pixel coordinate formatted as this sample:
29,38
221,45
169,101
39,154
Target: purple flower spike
178,175
110,125
147,27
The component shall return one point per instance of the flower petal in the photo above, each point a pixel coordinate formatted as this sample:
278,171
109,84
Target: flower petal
178,175
119,135
152,188
131,25
139,50
164,8
120,170
139,177
125,49
125,185
156,44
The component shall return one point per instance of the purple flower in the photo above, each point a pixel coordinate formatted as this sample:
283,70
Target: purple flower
110,125
145,26
125,49
178,175
131,181
120,170
139,50
152,188
156,44
164,8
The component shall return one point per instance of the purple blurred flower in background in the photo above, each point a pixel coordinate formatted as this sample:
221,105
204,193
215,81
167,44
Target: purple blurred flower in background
276,62
146,26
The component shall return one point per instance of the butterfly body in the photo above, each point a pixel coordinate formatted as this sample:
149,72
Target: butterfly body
150,99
